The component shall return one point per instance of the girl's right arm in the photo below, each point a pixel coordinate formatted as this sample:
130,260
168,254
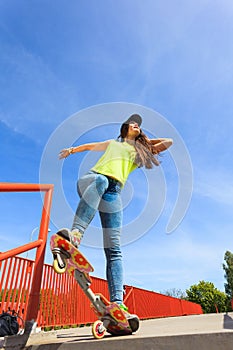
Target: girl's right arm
94,146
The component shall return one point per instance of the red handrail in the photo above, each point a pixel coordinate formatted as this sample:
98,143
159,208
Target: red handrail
40,243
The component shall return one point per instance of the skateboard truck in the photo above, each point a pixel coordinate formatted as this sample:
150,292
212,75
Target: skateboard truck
60,256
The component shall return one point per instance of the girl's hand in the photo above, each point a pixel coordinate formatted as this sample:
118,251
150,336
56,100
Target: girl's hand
64,153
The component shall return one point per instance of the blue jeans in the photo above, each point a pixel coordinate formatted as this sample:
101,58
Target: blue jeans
99,192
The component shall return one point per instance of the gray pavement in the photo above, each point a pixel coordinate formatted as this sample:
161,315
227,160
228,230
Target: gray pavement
212,331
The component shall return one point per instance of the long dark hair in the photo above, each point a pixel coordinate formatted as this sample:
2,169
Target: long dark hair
145,155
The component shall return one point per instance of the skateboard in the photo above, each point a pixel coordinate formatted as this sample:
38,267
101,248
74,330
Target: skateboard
112,319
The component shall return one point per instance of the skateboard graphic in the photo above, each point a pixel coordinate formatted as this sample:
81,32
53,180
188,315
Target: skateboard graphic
66,257
112,319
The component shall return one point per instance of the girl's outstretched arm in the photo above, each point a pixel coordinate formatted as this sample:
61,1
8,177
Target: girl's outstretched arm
94,146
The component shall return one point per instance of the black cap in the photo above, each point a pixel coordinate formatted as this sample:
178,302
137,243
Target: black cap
134,118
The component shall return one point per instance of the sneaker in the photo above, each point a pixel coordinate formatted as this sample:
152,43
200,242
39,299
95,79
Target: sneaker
123,307
75,237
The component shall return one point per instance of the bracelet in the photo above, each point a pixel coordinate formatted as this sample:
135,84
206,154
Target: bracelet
70,150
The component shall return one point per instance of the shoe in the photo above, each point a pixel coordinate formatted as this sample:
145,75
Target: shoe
75,237
123,307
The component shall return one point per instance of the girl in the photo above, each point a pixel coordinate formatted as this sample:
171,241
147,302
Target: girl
100,189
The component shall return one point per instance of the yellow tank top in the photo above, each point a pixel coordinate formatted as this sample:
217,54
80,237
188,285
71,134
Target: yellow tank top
117,161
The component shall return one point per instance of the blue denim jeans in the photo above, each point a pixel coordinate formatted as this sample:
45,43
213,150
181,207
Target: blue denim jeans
99,192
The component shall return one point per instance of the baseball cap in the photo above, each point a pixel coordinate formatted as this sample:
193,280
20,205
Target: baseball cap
134,118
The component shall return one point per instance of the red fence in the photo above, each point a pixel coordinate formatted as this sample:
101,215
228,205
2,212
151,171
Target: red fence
147,304
62,302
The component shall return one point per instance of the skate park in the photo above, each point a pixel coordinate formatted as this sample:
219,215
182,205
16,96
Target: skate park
180,325
71,73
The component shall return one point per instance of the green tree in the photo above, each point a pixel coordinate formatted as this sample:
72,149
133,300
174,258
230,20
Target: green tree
228,268
175,293
210,298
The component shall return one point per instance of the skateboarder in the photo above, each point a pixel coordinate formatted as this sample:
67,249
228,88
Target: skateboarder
100,189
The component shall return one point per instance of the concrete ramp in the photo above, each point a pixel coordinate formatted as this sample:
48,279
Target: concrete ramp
212,331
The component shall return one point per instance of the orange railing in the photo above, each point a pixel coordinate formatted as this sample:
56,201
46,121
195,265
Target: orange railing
40,244
62,302
148,304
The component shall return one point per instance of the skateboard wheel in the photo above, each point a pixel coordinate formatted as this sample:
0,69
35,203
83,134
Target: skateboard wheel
134,323
98,329
57,267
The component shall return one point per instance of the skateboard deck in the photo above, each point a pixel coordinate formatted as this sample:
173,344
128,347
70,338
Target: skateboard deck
122,326
73,257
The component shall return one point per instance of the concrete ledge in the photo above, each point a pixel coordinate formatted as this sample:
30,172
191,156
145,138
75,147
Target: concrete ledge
215,341
212,331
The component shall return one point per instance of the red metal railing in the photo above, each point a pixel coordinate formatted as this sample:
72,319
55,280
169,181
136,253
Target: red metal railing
62,302
40,244
147,304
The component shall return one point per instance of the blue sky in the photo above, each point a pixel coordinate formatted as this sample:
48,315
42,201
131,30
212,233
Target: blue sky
62,62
